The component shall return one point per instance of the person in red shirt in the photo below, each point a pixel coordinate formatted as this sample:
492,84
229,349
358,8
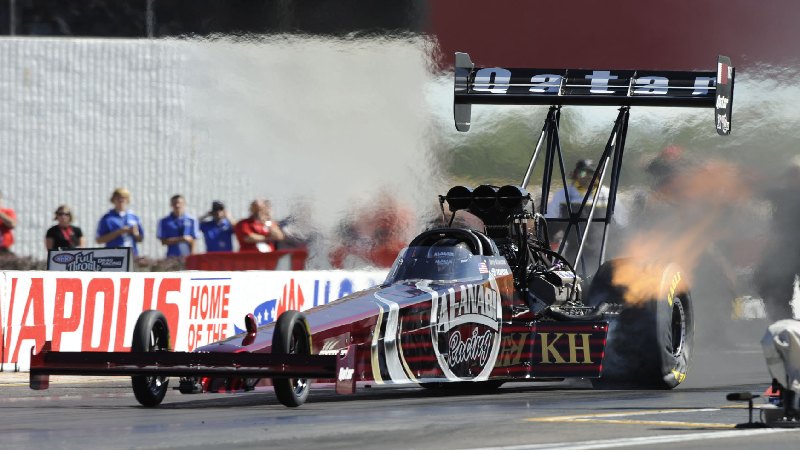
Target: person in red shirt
8,220
258,232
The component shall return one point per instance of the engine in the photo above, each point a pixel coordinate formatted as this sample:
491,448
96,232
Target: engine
543,276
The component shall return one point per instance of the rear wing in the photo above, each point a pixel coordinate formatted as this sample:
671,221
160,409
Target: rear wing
500,86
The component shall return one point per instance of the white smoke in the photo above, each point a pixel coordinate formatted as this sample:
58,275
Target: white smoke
332,124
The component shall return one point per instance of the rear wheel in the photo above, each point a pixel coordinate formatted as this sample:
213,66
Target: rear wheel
151,334
291,337
651,341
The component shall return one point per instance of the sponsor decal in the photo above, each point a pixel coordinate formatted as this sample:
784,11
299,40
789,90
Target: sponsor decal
680,376
501,81
553,351
493,79
474,349
722,122
335,345
346,373
513,346
63,258
672,286
88,262
600,79
466,330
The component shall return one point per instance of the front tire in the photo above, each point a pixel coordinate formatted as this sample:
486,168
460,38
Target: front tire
291,337
650,343
151,334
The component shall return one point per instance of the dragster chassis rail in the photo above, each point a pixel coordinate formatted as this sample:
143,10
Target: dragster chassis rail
184,364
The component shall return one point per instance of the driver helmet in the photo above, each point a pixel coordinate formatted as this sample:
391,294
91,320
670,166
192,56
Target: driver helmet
448,254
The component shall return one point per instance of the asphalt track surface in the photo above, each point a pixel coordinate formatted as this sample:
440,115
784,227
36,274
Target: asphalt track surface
102,413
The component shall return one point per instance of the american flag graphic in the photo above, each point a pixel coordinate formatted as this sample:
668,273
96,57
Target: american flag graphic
482,268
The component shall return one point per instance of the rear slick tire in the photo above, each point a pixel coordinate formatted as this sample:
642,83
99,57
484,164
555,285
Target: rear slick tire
291,337
650,343
150,334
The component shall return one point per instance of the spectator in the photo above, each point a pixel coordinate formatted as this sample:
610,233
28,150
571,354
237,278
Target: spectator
374,235
178,230
258,231
217,228
580,178
120,227
8,220
567,201
64,235
298,228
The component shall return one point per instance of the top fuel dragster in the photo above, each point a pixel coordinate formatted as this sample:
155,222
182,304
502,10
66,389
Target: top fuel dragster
463,307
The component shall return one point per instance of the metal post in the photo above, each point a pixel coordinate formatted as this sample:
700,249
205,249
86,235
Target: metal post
149,19
591,211
616,170
548,160
12,17
532,164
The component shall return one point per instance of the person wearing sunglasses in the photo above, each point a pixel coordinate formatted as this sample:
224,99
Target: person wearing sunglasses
64,235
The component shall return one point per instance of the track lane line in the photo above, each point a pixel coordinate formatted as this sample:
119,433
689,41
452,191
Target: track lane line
615,418
618,414
641,441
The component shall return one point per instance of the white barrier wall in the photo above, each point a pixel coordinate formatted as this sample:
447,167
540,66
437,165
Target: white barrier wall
97,312
305,122
79,117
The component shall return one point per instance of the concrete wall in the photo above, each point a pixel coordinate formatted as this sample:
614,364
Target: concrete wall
79,117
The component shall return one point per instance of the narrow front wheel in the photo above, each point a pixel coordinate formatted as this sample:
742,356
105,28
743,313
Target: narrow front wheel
151,334
291,337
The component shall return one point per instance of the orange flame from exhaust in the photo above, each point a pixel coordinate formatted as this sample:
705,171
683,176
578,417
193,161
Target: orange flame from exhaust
697,203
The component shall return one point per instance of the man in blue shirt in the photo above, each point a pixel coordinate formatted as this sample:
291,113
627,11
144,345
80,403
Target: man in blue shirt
120,227
217,229
178,230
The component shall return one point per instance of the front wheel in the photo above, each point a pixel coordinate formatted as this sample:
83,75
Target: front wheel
291,337
151,334
650,343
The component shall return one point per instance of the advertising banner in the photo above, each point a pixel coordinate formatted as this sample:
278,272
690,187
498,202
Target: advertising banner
81,311
90,260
